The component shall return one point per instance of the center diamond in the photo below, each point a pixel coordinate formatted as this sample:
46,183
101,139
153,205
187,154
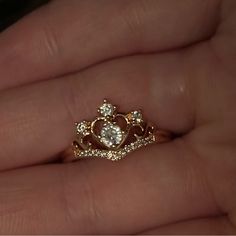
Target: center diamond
111,135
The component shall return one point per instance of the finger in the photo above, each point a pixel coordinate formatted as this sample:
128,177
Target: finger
154,186
37,121
206,226
66,36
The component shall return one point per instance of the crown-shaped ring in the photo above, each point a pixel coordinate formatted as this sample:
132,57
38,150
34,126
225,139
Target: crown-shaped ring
112,135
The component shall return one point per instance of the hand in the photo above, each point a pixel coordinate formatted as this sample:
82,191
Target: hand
173,59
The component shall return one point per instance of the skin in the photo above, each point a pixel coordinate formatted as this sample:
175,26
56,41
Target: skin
173,59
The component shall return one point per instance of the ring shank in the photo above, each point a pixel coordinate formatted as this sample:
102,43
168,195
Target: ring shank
162,136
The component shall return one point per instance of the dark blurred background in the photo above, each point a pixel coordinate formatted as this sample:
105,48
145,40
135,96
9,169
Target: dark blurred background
12,10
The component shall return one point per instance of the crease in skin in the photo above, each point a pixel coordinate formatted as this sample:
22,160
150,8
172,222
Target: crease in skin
50,40
215,191
12,199
64,180
219,56
222,44
209,225
89,212
202,173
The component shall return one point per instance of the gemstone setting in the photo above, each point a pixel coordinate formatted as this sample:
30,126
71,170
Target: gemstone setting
106,109
135,117
83,127
111,135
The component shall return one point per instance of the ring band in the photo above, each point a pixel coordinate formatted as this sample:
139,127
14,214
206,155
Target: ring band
113,135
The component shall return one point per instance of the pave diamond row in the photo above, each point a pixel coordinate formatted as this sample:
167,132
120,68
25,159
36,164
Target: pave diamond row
116,155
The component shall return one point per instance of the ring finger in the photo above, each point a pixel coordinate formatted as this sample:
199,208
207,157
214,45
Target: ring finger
43,115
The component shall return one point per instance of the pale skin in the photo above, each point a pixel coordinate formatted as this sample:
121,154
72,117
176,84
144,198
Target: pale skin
173,59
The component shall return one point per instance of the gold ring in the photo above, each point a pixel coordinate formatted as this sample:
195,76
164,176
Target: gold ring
113,135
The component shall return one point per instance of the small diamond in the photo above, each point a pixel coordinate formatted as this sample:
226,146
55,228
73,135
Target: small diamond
111,135
135,116
109,154
106,109
83,127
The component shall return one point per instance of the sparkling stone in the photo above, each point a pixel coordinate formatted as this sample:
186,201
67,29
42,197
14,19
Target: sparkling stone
82,127
136,116
106,109
111,135
109,154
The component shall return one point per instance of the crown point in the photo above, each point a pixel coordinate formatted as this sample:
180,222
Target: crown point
83,127
106,109
135,117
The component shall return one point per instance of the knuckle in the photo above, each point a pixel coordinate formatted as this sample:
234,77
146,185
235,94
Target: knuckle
75,97
71,100
50,42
